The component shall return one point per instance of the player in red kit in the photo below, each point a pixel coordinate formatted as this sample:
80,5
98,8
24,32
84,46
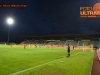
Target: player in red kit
24,46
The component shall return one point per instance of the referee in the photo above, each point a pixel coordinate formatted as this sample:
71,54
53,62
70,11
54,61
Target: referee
68,51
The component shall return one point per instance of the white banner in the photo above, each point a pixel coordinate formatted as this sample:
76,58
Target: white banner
98,52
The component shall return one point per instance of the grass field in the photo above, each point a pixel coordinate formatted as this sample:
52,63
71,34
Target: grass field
43,61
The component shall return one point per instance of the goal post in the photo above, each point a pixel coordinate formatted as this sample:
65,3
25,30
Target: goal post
83,47
91,47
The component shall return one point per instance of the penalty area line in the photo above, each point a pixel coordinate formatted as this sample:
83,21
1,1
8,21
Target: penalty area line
41,65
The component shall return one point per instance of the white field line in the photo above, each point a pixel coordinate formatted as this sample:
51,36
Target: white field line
41,65
92,65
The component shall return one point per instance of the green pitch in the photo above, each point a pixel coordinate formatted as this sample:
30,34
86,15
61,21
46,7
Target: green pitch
43,61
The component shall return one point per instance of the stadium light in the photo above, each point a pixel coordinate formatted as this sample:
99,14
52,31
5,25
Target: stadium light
10,22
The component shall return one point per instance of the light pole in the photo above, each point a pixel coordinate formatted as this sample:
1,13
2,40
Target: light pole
10,22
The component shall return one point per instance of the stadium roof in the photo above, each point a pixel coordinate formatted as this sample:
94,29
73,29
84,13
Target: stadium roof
68,36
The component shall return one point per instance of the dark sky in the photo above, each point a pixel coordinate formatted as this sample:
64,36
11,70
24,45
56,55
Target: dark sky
47,17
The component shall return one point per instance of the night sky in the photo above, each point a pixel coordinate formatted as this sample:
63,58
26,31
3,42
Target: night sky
47,17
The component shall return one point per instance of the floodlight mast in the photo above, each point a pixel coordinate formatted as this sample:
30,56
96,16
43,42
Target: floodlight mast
8,34
10,22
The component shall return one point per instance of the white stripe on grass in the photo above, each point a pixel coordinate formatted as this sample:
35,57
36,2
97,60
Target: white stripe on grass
41,65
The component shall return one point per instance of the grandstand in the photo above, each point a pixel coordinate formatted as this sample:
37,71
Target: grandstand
77,40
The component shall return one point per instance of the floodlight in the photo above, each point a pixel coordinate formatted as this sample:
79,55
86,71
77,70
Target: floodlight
10,21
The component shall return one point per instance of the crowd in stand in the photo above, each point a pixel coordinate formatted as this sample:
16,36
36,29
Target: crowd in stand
58,44
61,44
